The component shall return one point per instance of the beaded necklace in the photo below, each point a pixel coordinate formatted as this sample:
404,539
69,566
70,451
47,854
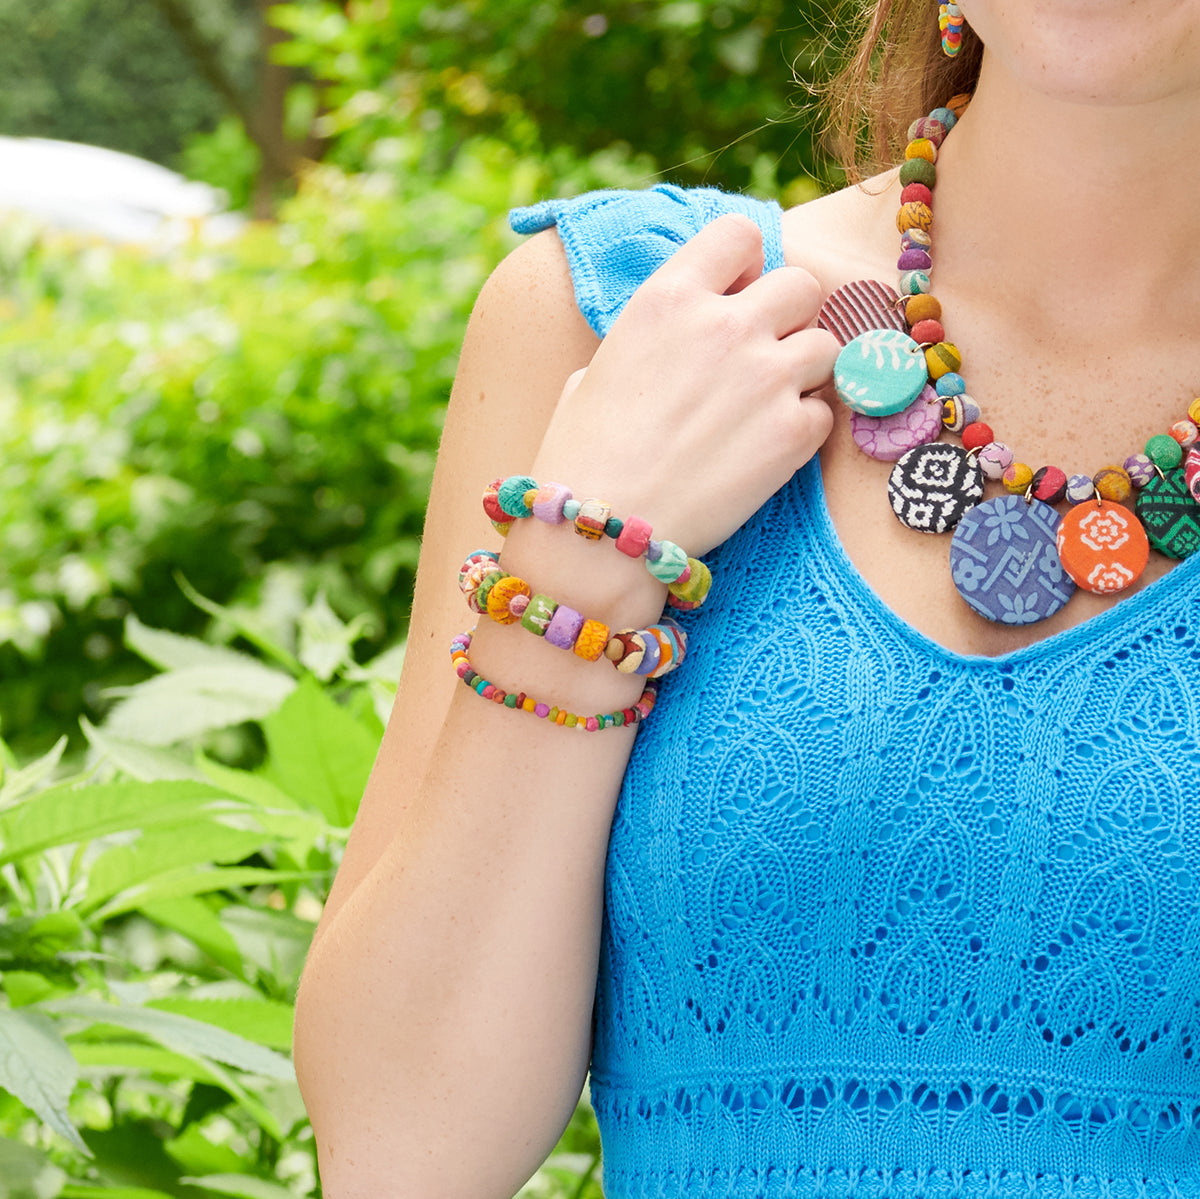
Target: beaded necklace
1013,558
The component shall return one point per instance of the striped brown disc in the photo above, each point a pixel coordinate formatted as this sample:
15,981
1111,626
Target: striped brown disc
860,306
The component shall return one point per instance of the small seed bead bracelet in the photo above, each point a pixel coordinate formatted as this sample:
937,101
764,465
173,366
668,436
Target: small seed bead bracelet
507,500
491,591
520,702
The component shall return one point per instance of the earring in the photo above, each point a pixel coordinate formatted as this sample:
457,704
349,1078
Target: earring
950,22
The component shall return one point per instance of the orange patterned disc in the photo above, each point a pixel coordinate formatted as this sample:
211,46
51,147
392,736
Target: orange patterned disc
1103,546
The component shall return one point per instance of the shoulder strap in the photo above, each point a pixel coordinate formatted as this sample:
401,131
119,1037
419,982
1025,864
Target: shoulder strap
616,239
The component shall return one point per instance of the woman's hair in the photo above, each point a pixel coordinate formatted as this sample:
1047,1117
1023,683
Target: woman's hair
897,74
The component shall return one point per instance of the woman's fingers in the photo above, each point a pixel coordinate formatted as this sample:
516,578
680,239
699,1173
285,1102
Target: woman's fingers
725,256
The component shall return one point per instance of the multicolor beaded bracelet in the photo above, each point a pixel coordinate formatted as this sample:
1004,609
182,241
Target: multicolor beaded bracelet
520,702
507,599
507,500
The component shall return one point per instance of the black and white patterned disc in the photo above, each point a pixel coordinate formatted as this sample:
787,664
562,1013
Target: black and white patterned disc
1004,561
1169,514
933,486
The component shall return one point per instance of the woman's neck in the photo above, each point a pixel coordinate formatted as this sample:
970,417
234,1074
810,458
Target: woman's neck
1088,210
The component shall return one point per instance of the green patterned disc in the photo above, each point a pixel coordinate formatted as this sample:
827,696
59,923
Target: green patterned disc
1170,516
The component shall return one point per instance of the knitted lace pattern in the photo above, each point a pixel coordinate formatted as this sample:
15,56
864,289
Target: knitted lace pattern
882,919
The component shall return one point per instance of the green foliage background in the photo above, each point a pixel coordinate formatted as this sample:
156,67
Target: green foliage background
213,469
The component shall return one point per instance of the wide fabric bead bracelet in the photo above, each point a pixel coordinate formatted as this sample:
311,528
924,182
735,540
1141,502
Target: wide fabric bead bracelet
507,500
492,591
518,701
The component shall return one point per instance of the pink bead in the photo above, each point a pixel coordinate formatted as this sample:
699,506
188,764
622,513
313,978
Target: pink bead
518,604
542,710
488,691
994,459
634,538
1191,472
593,724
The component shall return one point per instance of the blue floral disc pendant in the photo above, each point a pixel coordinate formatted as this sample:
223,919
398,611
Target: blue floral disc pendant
1004,561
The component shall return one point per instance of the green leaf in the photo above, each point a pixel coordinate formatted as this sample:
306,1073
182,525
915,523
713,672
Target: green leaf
159,853
196,882
319,753
194,919
180,1033
24,987
69,814
171,651
245,785
142,762
326,642
37,1067
124,1057
265,1021
184,704
27,1174
194,1153
18,783
241,1186
80,1190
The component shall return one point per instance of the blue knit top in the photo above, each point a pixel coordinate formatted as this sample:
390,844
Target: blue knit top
881,919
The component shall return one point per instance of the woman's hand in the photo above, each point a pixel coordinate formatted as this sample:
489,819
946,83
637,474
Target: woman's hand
695,409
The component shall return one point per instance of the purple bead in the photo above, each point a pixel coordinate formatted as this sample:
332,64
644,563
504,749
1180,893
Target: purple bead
1140,469
651,657
564,627
914,260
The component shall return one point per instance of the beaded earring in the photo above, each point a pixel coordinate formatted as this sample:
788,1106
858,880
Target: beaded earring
950,22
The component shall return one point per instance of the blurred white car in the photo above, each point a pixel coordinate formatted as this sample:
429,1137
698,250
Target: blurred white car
107,194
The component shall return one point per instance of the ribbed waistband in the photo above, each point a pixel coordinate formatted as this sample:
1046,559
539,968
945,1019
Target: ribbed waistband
781,1183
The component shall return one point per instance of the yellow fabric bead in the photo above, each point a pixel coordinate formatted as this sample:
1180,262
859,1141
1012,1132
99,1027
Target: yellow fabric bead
1194,411
592,639
942,359
921,147
922,308
914,215
1018,478
1113,483
502,594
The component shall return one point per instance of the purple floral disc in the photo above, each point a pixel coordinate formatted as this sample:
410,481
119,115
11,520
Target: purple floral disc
887,437
859,306
1004,561
932,487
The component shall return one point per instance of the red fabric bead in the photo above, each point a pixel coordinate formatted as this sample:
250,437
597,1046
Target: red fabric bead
916,193
1049,485
928,332
976,436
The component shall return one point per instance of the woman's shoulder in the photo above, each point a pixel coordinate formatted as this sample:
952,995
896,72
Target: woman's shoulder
846,234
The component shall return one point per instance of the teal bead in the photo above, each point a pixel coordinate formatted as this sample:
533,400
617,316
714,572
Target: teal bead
946,116
880,372
914,283
669,565
511,496
1164,451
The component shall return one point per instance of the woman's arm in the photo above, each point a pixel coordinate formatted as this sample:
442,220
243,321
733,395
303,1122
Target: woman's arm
443,1023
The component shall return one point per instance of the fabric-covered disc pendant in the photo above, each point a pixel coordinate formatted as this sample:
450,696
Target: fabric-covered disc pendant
880,372
932,487
1004,561
887,437
1102,546
1170,515
857,307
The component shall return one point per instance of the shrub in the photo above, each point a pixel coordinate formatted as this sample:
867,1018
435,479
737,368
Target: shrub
273,400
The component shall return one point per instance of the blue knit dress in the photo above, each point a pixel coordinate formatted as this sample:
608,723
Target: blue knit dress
882,919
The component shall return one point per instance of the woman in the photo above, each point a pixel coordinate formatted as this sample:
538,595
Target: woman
898,899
